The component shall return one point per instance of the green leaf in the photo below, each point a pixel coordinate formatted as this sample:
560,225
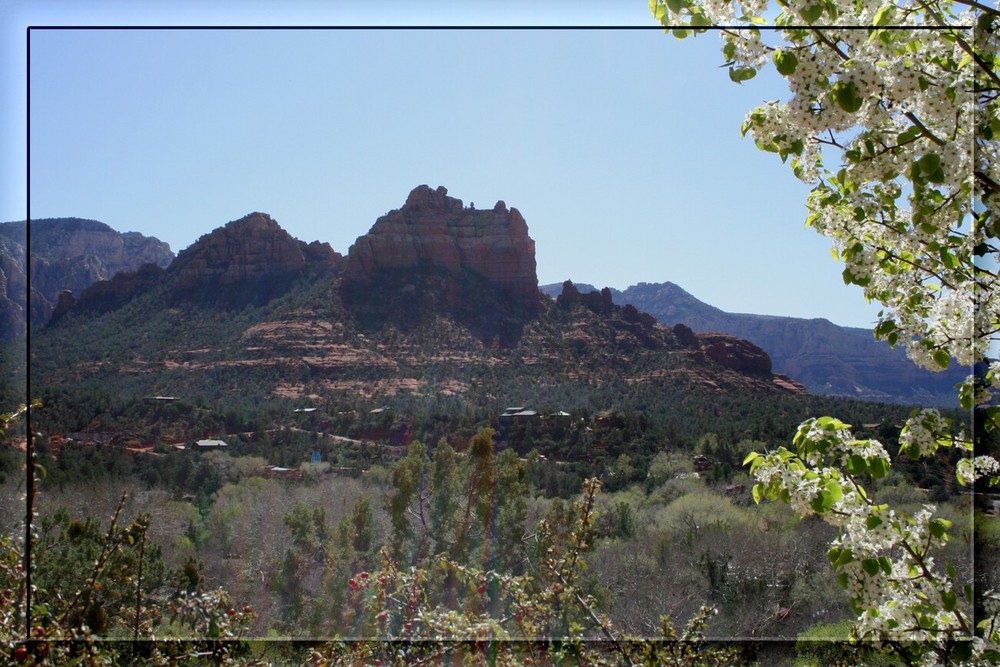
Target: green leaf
908,135
948,259
699,20
811,13
676,5
873,522
845,93
833,554
785,62
878,468
884,15
884,328
948,600
729,50
941,358
835,491
939,528
856,465
658,10
929,162
741,74
870,566
756,493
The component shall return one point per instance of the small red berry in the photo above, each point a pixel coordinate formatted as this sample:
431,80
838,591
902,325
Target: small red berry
20,654
481,589
353,583
231,612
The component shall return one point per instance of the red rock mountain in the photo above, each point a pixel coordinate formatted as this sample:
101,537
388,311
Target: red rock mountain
438,299
248,260
478,265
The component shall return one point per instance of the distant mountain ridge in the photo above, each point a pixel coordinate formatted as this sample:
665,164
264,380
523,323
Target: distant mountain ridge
434,258
66,254
828,359
193,328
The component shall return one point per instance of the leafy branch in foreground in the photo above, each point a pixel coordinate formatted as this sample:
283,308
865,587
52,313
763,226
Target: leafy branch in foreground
902,98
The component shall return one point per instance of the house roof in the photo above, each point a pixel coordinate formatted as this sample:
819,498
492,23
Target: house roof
210,443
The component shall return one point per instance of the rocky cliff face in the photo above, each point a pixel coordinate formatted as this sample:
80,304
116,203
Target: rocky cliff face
66,254
716,361
249,260
478,264
734,353
826,358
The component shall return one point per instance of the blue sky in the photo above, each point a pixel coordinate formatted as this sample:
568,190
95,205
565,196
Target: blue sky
620,148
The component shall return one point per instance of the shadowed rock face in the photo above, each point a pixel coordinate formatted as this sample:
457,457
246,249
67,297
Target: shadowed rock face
66,254
250,258
478,264
826,358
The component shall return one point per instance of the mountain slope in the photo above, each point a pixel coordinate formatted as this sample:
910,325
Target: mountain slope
66,254
826,358
247,313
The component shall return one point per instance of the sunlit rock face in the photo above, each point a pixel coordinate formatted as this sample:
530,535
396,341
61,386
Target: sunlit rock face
735,353
437,251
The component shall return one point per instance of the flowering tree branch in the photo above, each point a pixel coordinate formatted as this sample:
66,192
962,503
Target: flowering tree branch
892,119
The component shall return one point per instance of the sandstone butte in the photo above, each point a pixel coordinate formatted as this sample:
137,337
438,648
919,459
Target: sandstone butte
433,229
250,249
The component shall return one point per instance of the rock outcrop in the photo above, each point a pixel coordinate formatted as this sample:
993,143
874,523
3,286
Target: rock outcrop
66,254
13,288
826,358
478,264
105,295
735,353
716,361
250,260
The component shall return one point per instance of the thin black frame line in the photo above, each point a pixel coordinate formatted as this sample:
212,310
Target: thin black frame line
29,468
711,28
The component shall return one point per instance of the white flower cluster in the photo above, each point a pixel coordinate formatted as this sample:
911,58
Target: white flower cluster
970,470
899,106
920,433
883,558
885,119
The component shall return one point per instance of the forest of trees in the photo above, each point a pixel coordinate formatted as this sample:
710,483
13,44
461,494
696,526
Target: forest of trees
508,533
